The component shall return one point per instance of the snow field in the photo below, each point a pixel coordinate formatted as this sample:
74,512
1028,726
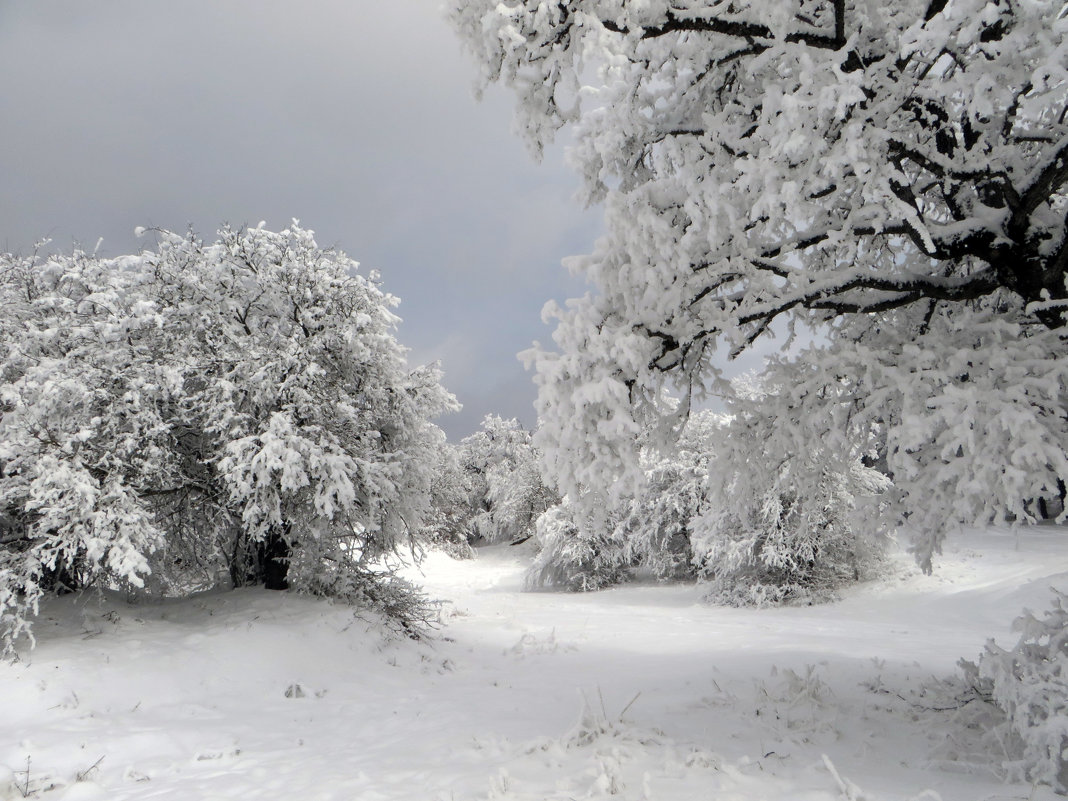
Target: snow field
640,692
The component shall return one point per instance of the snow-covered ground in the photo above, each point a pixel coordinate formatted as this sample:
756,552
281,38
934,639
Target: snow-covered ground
640,692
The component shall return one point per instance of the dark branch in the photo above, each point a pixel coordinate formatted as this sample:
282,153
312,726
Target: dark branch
1048,181
738,28
839,24
934,8
935,166
887,304
906,290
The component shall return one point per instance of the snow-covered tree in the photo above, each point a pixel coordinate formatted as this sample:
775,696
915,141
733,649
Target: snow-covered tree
447,525
889,176
84,393
241,406
575,551
506,493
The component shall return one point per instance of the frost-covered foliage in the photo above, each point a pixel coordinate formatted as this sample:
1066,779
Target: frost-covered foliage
574,553
786,520
1030,684
738,502
203,408
968,411
447,523
890,175
504,487
650,531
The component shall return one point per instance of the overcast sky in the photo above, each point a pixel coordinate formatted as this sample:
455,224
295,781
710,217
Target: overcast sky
355,116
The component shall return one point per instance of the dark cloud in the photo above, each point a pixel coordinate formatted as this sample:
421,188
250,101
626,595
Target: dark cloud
355,117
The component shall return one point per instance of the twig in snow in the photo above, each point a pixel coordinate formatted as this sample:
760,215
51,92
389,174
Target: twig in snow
629,705
850,792
25,788
82,774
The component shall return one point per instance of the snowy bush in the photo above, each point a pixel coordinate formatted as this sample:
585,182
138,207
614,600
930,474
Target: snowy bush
654,528
571,555
1030,684
786,519
777,543
742,500
201,408
446,525
649,529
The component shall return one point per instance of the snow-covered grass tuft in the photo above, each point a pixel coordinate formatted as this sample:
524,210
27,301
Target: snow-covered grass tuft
605,756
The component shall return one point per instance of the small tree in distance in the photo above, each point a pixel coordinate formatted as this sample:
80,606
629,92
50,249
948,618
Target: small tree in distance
785,520
649,532
506,486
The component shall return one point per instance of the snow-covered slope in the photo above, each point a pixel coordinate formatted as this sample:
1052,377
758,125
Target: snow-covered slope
641,692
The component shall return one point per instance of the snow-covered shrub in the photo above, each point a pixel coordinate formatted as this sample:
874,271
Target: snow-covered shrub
648,530
746,500
447,522
785,519
1030,684
777,544
571,555
653,529
379,589
201,408
84,393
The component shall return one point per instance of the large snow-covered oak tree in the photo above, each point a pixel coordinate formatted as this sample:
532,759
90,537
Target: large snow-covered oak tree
238,406
889,176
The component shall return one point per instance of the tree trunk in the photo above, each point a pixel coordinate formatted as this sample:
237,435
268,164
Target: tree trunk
63,579
265,561
1060,784
273,552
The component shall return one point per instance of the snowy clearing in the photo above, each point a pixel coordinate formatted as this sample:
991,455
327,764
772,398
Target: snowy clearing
640,692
